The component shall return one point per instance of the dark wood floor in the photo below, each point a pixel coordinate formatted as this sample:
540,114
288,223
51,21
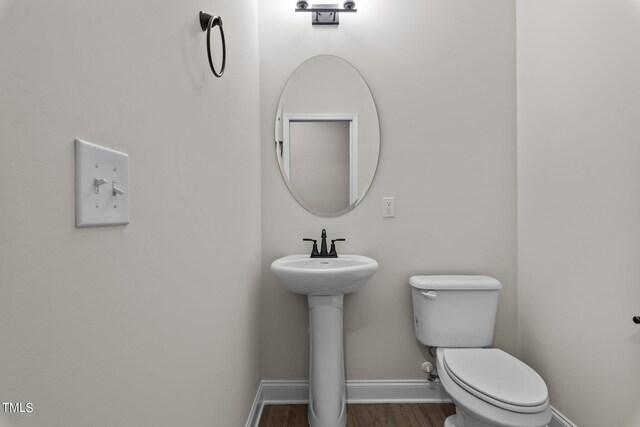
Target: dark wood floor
381,415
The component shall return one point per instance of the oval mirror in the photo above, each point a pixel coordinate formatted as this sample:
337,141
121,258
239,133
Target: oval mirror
327,136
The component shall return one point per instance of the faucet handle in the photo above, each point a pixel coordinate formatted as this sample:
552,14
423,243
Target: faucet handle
332,252
314,251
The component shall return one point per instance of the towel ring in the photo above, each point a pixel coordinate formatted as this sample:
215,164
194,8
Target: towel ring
206,23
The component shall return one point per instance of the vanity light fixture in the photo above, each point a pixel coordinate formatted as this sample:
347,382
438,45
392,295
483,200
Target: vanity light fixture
325,14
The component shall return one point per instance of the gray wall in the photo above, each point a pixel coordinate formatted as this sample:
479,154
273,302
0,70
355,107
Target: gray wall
579,204
443,78
155,323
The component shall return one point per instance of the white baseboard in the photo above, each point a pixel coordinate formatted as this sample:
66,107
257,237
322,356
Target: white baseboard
256,409
559,420
282,392
285,392
398,391
359,391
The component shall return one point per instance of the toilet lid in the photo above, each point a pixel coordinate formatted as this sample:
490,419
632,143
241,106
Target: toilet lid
497,377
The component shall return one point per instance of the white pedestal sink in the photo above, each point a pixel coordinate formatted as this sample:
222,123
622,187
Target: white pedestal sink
325,281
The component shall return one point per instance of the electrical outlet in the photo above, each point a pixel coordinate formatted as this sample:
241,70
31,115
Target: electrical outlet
388,207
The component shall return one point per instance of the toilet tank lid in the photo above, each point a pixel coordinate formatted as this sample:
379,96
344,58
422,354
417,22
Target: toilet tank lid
455,283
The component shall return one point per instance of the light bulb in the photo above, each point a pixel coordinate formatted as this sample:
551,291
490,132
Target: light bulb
302,4
349,4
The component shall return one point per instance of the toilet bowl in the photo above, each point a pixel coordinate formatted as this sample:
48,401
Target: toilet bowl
490,388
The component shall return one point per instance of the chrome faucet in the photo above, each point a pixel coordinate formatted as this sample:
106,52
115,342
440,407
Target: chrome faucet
323,253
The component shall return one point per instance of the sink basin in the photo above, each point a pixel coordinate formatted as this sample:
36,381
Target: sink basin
324,276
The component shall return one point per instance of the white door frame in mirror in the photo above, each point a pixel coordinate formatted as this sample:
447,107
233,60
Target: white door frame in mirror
352,118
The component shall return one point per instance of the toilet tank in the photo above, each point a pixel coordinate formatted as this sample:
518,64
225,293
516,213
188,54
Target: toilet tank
455,311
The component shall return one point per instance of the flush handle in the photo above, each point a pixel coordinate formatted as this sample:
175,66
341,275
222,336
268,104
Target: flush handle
430,294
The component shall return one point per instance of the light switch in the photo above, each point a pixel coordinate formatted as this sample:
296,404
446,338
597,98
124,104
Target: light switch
102,186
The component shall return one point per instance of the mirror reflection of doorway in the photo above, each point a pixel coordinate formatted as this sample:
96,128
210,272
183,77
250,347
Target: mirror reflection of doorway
319,163
320,159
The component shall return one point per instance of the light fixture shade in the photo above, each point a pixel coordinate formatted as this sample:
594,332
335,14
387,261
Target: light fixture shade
349,4
302,4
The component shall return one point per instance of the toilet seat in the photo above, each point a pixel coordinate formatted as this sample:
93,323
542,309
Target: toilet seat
497,378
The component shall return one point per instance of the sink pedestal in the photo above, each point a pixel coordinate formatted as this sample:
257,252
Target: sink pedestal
327,392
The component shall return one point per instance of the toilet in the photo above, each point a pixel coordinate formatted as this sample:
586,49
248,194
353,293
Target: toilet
490,388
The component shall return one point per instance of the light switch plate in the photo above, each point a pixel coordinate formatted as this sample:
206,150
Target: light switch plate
100,174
